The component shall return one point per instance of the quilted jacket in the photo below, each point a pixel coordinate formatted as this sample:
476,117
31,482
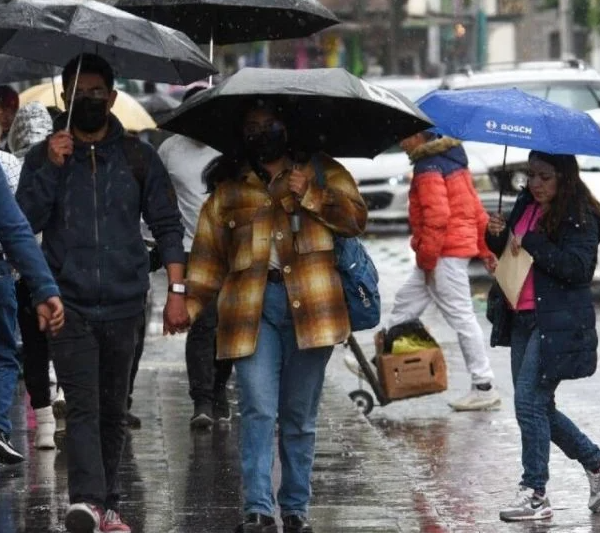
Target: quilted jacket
562,276
445,212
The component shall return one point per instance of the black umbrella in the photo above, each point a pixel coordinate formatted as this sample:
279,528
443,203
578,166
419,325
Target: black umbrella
18,69
158,104
235,21
326,109
54,31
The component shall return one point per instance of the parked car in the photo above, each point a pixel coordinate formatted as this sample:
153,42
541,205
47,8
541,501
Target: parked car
568,83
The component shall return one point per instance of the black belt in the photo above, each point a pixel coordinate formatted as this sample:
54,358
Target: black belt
274,275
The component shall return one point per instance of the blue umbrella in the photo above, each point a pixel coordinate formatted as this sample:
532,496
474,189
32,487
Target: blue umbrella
513,118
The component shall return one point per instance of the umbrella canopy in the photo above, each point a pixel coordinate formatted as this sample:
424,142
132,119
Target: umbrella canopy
514,118
18,69
326,109
235,21
158,104
131,114
54,31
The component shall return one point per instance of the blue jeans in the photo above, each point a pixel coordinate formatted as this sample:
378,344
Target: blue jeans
280,384
538,418
9,365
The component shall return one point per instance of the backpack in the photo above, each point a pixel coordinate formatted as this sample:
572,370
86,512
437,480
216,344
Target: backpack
358,273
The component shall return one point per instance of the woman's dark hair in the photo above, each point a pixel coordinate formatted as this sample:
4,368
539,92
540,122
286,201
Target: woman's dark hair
572,194
219,169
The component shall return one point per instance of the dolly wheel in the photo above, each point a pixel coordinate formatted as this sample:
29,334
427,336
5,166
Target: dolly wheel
363,401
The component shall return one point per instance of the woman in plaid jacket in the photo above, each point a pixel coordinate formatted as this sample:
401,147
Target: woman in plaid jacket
264,242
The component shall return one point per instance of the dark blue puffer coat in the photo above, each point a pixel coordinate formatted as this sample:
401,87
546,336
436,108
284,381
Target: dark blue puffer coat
562,275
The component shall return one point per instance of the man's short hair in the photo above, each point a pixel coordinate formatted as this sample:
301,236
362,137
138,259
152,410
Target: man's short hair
9,98
90,64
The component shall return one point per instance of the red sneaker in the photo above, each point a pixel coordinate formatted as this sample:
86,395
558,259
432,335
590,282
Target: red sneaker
111,521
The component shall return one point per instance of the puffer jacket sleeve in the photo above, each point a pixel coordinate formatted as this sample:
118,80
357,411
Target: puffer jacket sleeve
435,213
573,260
338,205
207,264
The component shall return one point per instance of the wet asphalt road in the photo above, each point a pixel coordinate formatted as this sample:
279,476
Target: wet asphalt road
412,466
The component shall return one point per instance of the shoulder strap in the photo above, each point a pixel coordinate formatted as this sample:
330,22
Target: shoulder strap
136,158
319,172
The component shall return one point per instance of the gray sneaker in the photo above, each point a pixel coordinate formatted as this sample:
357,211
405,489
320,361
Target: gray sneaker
594,501
527,505
8,453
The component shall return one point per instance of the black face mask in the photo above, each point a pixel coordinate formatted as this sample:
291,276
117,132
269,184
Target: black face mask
89,114
267,146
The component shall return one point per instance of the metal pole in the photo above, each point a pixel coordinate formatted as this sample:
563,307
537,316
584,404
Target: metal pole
393,37
565,17
211,53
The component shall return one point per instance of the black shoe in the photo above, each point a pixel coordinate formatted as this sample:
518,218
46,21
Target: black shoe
220,407
132,421
257,523
202,417
8,454
296,524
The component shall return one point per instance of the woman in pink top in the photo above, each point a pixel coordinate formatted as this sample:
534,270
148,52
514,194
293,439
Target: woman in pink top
552,330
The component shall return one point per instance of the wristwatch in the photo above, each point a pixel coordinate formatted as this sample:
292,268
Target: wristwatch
177,288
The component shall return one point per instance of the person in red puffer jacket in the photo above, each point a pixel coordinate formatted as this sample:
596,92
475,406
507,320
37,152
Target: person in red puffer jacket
448,223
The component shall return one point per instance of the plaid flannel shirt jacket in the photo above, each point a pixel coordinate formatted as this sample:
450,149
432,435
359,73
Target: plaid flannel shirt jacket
231,248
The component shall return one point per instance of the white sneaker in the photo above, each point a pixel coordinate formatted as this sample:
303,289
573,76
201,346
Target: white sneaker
46,426
52,379
477,400
527,505
352,365
594,501
83,518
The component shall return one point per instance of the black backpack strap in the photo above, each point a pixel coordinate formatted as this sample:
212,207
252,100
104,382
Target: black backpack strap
136,158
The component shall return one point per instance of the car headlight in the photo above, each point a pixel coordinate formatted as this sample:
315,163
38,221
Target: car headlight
400,178
518,180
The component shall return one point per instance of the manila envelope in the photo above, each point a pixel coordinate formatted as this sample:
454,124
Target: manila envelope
511,273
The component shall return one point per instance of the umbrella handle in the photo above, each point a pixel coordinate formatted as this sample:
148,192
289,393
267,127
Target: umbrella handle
211,51
501,181
72,95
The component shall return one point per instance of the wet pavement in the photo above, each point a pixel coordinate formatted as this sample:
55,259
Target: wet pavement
412,466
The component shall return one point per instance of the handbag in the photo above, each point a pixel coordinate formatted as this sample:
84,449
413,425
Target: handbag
499,314
357,271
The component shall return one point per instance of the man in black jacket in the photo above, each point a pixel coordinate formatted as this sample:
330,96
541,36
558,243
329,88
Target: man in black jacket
79,189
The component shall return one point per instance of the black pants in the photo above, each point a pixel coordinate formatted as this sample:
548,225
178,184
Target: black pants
93,362
35,350
139,350
205,373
